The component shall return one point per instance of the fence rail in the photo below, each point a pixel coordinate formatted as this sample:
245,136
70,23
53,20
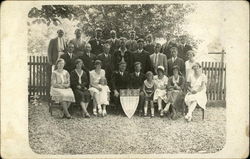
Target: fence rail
39,85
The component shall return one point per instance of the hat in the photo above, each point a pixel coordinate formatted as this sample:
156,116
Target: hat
122,62
160,68
98,29
112,31
137,63
98,62
140,40
196,63
123,38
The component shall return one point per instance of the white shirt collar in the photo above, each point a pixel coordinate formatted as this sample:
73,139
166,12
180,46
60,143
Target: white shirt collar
124,50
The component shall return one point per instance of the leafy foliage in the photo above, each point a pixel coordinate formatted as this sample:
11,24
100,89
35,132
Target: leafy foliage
143,18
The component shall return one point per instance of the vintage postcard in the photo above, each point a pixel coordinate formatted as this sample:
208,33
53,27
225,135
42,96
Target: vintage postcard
125,79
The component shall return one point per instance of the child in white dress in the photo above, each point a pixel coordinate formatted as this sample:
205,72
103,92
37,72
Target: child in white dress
104,95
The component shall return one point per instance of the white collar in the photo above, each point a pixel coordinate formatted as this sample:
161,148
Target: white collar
140,50
124,50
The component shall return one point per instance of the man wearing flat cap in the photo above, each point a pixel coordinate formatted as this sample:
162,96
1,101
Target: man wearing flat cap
79,43
131,44
96,42
114,42
142,56
122,55
136,81
120,80
175,61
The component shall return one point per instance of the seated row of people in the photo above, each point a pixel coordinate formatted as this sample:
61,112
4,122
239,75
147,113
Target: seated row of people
93,85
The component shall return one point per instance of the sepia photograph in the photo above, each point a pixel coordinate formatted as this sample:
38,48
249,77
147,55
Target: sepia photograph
125,78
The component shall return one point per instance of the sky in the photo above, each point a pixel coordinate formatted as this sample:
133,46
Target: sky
206,23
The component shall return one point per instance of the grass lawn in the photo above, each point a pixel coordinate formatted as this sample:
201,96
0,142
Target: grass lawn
119,135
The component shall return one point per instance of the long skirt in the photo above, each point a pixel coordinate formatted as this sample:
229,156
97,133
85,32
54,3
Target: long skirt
200,98
62,95
81,95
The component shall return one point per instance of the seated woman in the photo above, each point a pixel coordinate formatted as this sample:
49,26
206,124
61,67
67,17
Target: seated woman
175,90
161,82
95,76
60,87
196,90
79,83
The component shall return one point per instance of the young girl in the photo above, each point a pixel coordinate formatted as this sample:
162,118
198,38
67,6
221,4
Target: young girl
104,95
148,89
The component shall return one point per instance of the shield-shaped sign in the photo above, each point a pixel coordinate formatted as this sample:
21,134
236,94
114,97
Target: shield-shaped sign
129,101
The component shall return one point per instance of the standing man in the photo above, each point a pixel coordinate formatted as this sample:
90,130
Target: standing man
120,80
142,56
96,43
69,58
183,48
79,43
105,57
159,59
122,55
150,45
136,81
167,46
88,58
131,44
175,61
114,42
56,48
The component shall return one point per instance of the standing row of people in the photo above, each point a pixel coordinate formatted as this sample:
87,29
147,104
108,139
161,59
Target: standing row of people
122,64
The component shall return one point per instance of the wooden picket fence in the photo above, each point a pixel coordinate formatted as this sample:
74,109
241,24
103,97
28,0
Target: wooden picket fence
39,85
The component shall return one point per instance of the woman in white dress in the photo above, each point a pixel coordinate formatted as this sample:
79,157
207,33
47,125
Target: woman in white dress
189,64
95,76
161,82
60,87
196,90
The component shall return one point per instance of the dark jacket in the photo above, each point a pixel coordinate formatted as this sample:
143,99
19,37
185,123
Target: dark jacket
181,82
179,62
128,58
53,51
120,82
96,46
88,61
150,48
136,82
182,51
69,62
144,58
74,80
114,45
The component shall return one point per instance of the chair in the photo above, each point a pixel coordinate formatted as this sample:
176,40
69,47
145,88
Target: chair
184,110
53,105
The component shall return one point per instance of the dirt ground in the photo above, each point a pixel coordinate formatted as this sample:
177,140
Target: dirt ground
116,134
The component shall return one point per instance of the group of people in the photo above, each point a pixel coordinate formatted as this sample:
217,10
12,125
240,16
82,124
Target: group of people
98,69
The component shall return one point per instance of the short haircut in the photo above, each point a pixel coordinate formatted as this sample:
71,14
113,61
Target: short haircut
149,73
77,61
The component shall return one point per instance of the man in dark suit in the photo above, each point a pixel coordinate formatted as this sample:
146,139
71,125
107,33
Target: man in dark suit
96,43
136,81
175,60
114,42
69,58
167,46
88,58
120,80
122,55
183,48
131,44
56,48
143,57
105,57
150,45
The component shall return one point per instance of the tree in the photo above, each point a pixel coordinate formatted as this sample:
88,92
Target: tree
143,18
